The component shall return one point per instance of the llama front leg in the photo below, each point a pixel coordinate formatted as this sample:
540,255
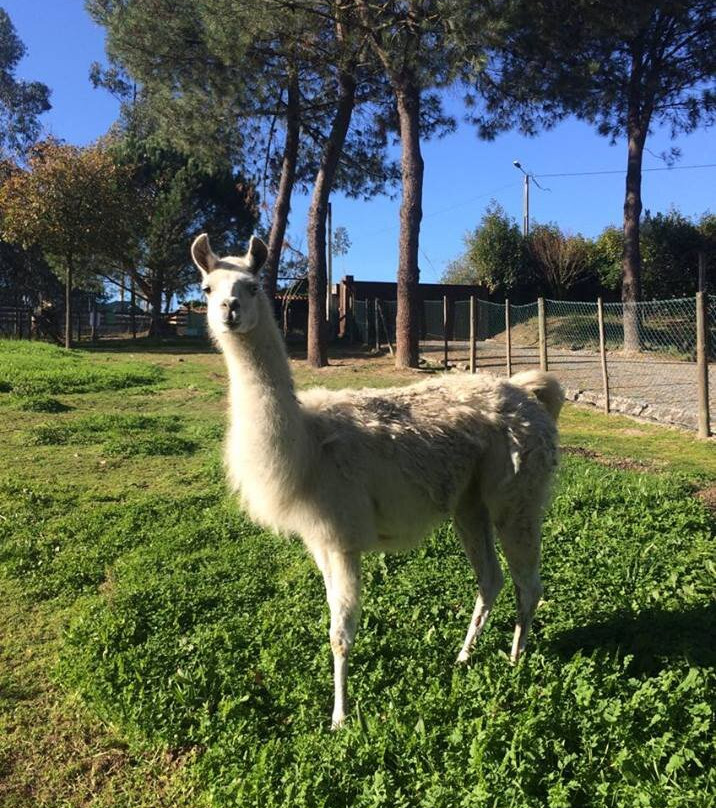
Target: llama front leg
341,572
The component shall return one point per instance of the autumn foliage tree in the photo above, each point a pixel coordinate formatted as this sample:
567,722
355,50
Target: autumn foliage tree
74,204
560,261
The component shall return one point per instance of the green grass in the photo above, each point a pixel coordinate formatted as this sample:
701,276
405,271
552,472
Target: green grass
32,369
159,649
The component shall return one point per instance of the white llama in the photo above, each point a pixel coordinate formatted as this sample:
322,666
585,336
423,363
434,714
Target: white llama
359,470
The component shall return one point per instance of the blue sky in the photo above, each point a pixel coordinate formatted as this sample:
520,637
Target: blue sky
462,173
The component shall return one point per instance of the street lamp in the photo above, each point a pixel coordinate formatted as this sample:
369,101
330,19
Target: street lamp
526,197
525,200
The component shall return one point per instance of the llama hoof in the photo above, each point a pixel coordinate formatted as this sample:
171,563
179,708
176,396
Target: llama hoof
337,723
463,658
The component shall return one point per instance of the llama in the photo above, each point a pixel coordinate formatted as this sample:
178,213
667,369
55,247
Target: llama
376,470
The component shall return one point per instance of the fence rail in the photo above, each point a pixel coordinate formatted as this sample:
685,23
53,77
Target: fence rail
659,377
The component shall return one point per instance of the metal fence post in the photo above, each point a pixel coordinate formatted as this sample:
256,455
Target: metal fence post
542,322
508,337
445,332
377,328
473,335
702,365
603,352
351,318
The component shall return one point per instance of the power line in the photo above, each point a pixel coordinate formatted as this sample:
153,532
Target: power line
622,171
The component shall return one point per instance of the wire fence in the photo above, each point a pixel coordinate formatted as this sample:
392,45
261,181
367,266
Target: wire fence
648,365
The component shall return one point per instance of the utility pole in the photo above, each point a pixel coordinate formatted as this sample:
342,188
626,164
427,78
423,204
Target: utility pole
526,197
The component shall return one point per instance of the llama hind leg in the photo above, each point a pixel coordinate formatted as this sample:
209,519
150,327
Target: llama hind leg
341,574
474,527
521,542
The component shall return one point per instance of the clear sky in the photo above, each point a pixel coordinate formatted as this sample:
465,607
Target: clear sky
462,173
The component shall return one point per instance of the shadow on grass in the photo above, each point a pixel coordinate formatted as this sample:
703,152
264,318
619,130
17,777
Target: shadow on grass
203,345
653,638
170,345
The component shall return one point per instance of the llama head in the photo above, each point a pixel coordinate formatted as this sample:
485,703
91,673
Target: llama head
231,285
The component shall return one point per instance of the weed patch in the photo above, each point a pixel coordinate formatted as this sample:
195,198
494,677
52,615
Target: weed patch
39,403
120,434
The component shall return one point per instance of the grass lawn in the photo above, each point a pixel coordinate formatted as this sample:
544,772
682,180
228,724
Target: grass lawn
157,649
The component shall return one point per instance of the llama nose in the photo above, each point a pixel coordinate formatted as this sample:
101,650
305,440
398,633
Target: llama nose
231,310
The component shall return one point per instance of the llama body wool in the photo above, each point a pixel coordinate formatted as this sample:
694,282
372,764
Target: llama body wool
375,470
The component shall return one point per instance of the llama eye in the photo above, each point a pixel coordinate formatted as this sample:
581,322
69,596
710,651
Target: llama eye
253,289
206,289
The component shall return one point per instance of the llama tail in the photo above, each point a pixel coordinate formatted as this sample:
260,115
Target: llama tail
544,386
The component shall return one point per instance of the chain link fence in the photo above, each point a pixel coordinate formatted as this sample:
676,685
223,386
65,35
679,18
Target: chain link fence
649,361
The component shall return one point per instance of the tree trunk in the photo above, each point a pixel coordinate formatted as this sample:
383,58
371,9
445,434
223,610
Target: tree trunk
68,303
282,204
408,316
132,314
631,259
93,318
155,300
317,326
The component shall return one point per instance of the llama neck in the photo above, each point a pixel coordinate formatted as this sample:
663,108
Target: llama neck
267,433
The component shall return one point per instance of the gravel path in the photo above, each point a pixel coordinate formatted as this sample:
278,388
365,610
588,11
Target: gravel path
656,389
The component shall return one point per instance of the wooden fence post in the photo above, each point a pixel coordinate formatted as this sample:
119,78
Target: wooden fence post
508,337
603,352
702,364
445,333
542,321
473,335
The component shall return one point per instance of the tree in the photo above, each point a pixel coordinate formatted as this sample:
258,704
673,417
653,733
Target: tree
260,67
21,102
178,198
560,261
341,242
624,67
216,86
707,231
409,41
71,203
355,162
609,248
670,244
495,256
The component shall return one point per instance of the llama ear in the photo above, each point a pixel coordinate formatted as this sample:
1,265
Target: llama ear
256,255
204,257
